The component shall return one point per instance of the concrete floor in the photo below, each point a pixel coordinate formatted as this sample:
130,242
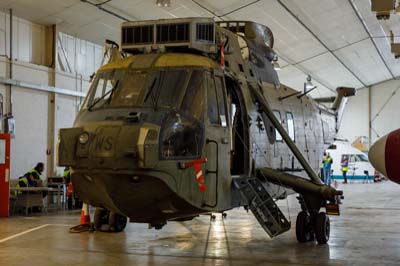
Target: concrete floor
367,233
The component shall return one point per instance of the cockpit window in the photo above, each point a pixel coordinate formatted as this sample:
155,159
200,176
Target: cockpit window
182,133
101,89
181,137
193,103
166,87
128,88
362,158
129,92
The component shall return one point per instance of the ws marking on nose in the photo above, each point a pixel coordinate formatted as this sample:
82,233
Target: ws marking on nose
104,143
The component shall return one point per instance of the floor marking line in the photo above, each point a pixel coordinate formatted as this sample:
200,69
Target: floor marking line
61,225
23,233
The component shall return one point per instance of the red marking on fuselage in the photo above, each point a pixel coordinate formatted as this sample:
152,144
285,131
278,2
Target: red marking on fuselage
392,156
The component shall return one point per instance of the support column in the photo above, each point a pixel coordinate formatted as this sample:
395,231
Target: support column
8,98
369,117
50,56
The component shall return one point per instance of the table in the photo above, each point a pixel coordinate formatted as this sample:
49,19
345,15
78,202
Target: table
31,198
60,189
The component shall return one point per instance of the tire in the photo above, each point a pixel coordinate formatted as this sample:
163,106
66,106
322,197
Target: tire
322,228
100,218
304,232
117,222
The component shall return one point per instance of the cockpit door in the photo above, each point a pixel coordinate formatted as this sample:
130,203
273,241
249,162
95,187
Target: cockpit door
217,176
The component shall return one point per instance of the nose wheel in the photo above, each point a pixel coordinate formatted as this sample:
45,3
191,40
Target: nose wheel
311,227
107,221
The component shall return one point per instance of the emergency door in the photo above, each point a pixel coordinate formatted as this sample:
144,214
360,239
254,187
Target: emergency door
217,138
4,174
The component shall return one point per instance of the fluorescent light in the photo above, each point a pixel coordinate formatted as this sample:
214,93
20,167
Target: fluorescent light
308,85
276,65
163,3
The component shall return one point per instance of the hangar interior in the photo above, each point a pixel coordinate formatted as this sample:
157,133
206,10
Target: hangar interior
49,49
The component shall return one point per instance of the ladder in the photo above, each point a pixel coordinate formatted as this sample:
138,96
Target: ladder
262,205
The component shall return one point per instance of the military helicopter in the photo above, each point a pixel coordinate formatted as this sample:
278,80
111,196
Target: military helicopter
192,119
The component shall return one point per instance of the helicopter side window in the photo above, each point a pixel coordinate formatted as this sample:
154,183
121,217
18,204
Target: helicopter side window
278,136
353,158
216,104
219,85
212,109
290,124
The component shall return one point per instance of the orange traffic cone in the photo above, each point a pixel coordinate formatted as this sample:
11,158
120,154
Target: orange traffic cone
85,216
84,224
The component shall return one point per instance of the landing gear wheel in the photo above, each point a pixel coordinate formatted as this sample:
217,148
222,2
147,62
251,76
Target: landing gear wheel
304,230
322,228
224,215
117,222
100,218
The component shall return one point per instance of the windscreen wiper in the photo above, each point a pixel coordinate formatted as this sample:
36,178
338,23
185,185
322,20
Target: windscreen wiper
104,95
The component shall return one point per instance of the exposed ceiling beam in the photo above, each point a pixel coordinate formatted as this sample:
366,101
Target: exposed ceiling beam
306,72
240,8
320,41
208,10
100,7
327,52
370,36
227,13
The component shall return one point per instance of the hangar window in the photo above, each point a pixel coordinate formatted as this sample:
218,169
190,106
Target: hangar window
278,136
290,124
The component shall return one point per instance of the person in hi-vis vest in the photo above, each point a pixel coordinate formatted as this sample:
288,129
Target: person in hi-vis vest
345,168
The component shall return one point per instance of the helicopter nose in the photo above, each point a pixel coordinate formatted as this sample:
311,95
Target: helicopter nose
384,155
376,155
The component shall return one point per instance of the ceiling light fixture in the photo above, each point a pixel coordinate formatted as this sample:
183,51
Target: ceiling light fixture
275,63
308,85
163,3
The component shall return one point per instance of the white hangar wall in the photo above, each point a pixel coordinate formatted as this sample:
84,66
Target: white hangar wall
378,104
40,114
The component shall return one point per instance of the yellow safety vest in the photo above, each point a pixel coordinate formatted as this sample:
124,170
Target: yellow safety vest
36,172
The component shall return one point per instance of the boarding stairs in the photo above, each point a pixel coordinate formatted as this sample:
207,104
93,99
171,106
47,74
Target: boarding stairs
262,205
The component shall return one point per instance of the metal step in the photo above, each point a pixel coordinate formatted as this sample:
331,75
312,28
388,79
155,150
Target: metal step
262,205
